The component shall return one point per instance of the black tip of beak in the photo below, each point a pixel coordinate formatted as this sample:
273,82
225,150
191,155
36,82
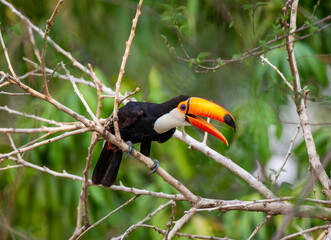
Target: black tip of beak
229,121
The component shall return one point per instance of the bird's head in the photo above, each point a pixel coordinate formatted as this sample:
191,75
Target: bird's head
187,113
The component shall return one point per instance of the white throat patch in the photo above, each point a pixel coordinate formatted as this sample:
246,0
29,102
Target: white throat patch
174,118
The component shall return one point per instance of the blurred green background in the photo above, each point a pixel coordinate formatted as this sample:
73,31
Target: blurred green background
35,205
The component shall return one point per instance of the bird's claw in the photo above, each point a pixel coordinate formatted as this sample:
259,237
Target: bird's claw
155,166
130,149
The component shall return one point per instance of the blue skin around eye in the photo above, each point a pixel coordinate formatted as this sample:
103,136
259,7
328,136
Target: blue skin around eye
182,107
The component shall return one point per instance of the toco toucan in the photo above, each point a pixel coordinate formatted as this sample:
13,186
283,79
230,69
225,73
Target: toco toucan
143,122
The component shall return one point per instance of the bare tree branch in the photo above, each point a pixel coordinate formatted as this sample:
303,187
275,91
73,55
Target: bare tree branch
81,97
147,218
314,158
98,84
326,226
179,223
287,155
277,70
259,227
42,129
43,55
226,162
11,111
122,69
10,67
83,231
189,236
271,206
259,50
24,149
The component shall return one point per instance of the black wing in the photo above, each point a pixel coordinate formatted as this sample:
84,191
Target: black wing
129,114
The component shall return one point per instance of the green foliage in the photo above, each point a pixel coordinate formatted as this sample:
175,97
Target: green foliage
253,128
39,205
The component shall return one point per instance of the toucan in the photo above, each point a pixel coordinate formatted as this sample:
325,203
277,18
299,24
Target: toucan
143,122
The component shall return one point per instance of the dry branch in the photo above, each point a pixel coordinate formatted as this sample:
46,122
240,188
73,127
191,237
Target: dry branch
11,111
43,55
226,162
326,226
271,206
179,223
122,69
84,230
287,155
277,70
147,218
259,227
314,158
259,50
186,235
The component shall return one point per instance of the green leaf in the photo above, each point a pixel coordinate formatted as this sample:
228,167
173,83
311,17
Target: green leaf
193,60
203,55
259,4
219,61
247,6
163,37
234,56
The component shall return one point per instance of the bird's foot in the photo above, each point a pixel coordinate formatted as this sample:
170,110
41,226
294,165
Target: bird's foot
155,165
130,149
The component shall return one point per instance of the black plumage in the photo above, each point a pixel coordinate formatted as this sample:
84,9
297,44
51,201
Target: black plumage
136,122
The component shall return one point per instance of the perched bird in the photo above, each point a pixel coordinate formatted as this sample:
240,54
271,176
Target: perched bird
143,122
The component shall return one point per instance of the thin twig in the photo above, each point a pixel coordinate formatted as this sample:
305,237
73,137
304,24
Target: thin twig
237,30
260,49
42,129
277,70
12,111
129,94
37,139
181,45
5,84
205,137
287,155
311,124
25,149
43,60
94,140
33,42
11,166
14,94
83,198
104,89
172,218
81,97
43,169
105,217
122,69
186,235
259,227
180,222
147,218
5,50
98,84
326,226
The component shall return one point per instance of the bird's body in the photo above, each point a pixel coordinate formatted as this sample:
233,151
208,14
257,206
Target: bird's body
142,122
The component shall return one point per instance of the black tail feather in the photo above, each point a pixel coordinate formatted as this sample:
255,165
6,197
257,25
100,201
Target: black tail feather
105,172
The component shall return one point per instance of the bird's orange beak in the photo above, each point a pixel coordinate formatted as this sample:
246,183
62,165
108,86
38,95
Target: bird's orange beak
198,106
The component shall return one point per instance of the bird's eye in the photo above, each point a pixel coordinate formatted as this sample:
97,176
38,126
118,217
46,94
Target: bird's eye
183,107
